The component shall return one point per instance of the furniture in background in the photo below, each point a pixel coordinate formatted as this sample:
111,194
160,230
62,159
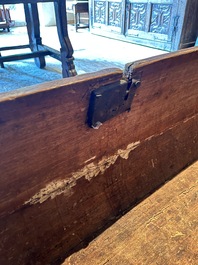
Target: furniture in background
164,24
5,18
80,10
38,50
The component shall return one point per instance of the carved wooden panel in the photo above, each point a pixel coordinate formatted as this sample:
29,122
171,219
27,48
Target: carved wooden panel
115,11
160,18
162,24
137,18
100,12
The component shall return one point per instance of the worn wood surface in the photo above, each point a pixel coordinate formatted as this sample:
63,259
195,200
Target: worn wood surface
61,181
162,229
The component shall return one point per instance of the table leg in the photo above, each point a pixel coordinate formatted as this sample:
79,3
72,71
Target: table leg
66,50
1,64
33,29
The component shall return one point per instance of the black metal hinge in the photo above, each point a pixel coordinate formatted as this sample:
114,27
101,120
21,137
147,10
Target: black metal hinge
109,101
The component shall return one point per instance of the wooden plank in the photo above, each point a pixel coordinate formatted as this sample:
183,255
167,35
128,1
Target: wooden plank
37,125
162,229
62,181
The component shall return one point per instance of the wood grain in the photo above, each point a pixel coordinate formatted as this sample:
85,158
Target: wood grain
162,229
62,182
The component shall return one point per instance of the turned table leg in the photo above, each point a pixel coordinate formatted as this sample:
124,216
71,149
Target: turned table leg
1,64
33,29
66,50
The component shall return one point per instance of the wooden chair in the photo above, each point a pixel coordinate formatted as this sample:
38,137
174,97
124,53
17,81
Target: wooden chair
78,153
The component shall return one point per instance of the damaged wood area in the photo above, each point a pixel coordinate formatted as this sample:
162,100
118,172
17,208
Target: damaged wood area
63,182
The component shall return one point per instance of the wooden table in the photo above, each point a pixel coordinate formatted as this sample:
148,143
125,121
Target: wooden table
5,20
77,8
38,50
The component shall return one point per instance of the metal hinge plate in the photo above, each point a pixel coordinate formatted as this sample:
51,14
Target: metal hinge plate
109,101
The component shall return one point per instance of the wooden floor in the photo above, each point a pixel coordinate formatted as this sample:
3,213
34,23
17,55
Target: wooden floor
162,230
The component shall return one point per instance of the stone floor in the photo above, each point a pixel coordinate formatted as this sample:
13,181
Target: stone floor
100,49
91,53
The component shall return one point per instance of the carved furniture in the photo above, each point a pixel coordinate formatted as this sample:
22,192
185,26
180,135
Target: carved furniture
164,24
78,153
38,50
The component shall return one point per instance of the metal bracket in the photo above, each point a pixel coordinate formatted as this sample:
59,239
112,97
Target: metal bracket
109,101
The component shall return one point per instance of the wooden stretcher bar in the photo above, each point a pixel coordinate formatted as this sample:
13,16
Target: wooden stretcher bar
63,182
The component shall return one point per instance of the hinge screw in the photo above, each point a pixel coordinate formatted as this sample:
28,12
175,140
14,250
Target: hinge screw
136,82
97,125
